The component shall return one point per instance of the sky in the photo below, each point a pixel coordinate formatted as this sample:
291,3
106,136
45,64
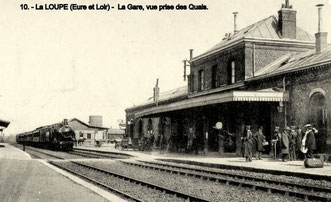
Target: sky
63,64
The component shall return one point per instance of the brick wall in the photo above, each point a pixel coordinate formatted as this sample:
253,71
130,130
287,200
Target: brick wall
243,54
223,62
265,54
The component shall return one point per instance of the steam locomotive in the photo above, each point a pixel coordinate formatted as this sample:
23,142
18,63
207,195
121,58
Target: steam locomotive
58,136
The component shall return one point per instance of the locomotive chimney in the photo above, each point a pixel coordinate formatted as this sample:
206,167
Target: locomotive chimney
65,122
235,22
321,37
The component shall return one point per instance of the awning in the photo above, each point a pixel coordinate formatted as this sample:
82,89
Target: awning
231,96
4,123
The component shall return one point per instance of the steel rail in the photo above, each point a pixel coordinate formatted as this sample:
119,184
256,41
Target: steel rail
95,154
57,157
307,187
105,152
144,183
235,181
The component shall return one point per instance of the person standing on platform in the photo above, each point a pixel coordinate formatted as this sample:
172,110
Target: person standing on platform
292,142
259,139
23,145
275,143
298,143
285,143
248,143
310,142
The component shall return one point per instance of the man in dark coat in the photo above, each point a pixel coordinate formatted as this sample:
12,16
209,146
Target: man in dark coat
300,133
310,142
259,139
275,143
248,143
285,143
293,141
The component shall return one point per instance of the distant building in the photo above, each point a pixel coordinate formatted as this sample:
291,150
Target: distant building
84,130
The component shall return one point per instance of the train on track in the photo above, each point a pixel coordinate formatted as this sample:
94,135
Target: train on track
59,136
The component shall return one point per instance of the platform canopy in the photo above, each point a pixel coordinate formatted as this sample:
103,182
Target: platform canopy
230,96
4,123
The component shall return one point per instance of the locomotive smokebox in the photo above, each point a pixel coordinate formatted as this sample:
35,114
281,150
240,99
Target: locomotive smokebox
95,121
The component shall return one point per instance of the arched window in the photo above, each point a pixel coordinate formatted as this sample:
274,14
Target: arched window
318,117
317,108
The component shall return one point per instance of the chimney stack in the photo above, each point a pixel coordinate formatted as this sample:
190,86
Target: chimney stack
235,22
156,92
321,37
191,54
287,24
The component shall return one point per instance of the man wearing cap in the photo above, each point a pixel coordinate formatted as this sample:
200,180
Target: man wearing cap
285,143
310,143
292,142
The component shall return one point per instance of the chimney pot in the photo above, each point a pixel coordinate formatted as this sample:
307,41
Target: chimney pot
321,37
287,21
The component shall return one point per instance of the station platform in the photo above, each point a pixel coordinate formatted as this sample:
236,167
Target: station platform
25,179
212,159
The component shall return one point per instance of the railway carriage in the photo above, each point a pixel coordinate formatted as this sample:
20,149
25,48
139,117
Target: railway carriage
57,136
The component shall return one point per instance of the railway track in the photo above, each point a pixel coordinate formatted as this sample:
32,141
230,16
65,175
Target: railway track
267,185
151,186
103,152
95,154
105,186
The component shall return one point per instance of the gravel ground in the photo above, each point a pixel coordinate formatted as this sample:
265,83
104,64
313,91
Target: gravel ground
141,192
210,190
283,178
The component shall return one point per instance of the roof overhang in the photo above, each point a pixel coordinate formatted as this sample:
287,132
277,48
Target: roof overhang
231,96
4,123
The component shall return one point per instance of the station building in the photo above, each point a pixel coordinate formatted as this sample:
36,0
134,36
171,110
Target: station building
3,124
271,73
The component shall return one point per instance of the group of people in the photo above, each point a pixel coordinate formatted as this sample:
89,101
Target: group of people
291,144
146,142
253,143
294,143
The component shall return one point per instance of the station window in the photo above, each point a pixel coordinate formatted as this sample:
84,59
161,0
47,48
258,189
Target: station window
214,82
232,72
201,81
88,136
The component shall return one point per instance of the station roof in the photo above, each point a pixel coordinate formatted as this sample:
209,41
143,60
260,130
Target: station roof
4,123
294,63
223,97
163,97
264,29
